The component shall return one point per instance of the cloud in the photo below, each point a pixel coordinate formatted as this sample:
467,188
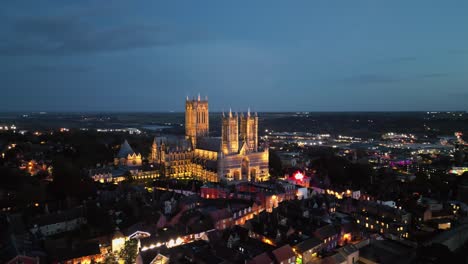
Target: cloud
72,35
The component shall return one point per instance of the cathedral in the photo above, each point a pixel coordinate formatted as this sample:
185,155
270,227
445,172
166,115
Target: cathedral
235,156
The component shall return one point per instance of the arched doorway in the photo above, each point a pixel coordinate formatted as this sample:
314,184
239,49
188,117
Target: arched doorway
245,166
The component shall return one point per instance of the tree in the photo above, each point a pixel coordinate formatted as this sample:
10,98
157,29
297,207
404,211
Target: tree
274,164
130,251
110,259
70,180
128,176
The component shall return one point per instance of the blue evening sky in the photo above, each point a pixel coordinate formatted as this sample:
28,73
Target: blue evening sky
274,55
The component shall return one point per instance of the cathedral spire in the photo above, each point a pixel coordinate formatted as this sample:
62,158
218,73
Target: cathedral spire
248,112
198,96
230,112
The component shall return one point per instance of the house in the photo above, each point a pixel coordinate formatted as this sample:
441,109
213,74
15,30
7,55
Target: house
383,219
336,258
84,253
263,258
386,251
152,257
351,253
55,223
212,191
329,235
284,255
308,249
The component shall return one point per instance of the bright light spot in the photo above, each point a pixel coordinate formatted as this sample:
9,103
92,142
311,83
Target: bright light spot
299,176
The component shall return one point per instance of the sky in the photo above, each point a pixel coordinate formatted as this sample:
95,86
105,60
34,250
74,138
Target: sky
273,55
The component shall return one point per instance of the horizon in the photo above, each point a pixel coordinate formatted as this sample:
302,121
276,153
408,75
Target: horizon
220,112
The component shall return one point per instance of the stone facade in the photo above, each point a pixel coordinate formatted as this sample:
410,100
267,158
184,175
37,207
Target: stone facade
233,157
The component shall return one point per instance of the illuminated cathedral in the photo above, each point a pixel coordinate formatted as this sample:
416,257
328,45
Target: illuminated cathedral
235,156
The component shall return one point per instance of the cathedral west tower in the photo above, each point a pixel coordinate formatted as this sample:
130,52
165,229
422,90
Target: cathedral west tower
196,119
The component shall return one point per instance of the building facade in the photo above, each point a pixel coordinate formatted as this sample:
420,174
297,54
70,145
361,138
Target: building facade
235,156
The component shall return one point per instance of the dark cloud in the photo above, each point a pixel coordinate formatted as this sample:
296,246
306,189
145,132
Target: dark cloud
71,35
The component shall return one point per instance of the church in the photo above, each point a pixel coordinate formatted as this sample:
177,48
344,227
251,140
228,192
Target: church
235,156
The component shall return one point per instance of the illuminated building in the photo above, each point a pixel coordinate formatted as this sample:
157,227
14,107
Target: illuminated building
284,254
383,219
118,241
127,157
307,250
458,170
233,157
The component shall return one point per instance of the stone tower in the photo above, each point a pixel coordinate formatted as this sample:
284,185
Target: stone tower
230,134
154,151
196,119
249,131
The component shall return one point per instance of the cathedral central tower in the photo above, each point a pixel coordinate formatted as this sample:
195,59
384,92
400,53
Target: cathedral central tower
196,119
